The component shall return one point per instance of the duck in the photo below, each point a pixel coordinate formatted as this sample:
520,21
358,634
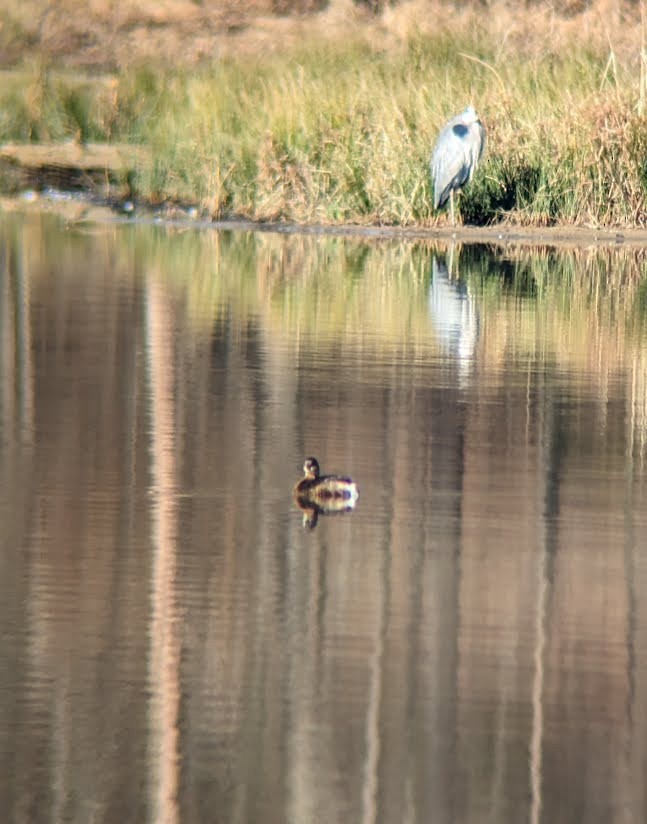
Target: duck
328,490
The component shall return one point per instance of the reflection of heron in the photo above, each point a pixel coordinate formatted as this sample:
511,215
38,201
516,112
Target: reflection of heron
323,494
454,314
455,157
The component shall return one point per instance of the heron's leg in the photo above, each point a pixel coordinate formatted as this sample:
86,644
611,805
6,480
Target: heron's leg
451,207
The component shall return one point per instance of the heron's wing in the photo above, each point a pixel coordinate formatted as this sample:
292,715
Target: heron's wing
476,141
450,166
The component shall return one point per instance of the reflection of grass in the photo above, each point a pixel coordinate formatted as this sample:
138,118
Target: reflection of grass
374,295
302,286
583,308
586,307
360,295
341,130
291,279
583,312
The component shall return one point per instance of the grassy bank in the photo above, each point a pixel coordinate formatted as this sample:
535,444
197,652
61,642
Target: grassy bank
327,128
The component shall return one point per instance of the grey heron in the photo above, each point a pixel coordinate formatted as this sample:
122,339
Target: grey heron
455,157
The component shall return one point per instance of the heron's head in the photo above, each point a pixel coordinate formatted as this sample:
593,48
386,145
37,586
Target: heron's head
470,116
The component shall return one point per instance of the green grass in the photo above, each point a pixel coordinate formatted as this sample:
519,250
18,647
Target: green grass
343,133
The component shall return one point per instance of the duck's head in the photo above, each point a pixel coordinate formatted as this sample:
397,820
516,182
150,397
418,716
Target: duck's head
311,468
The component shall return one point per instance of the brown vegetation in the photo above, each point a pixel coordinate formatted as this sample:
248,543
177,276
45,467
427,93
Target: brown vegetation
326,112
108,35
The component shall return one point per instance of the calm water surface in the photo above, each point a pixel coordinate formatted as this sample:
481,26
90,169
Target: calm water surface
180,642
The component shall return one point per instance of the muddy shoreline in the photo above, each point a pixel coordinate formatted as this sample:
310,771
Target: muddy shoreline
80,208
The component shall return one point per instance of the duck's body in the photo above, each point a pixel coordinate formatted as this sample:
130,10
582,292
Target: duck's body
325,489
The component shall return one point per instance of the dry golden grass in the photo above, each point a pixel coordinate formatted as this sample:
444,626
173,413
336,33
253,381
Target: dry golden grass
329,114
183,32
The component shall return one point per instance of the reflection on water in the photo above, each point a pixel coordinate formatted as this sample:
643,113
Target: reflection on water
454,313
466,645
313,509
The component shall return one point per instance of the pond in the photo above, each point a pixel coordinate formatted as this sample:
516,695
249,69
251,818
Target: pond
182,642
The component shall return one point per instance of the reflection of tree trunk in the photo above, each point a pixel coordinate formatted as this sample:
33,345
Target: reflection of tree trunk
16,368
551,451
164,654
7,350
449,425
636,717
376,689
24,385
23,572
544,553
